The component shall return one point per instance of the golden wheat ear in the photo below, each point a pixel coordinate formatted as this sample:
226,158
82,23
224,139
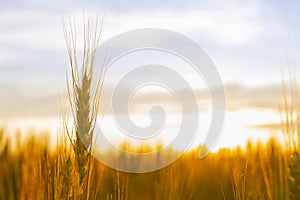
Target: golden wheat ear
84,102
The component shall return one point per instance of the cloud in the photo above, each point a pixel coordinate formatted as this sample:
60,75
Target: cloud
238,97
224,27
273,127
127,6
233,24
46,103
259,97
20,106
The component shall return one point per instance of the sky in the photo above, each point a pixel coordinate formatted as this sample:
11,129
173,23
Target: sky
250,42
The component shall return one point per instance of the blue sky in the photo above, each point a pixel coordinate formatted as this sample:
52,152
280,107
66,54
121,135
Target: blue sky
249,41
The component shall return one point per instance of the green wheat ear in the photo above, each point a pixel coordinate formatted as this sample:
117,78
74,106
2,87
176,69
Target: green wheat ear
84,104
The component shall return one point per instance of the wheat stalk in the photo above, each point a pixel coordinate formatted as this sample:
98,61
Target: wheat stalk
290,123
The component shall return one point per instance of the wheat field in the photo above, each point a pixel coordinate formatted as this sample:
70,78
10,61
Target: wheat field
33,171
